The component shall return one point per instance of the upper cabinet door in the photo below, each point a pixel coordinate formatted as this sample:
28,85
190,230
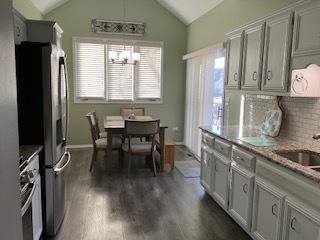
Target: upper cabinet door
235,47
306,31
252,57
277,53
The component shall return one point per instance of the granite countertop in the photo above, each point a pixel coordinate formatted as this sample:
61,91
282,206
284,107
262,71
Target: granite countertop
232,133
29,151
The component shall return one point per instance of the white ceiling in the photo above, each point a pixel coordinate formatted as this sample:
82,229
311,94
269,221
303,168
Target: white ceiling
186,10
46,6
189,10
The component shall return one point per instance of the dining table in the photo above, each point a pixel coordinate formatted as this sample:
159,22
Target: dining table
115,125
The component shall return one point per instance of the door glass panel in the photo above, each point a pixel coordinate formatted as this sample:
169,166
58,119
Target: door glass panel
214,89
219,64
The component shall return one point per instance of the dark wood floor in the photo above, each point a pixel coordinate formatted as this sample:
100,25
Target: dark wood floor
108,205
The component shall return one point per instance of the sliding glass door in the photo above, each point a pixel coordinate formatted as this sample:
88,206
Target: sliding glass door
204,95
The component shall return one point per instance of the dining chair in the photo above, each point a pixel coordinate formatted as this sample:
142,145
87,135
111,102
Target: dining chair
102,134
98,142
134,129
125,112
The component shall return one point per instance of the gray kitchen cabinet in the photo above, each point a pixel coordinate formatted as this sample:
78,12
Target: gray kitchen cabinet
277,52
252,57
240,197
267,211
44,31
234,60
207,161
20,27
300,222
220,188
306,39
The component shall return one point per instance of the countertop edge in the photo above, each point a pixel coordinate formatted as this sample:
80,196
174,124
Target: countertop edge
295,167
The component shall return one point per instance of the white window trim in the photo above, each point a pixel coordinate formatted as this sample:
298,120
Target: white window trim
115,41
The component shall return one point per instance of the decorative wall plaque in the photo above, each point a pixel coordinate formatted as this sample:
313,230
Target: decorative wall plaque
118,27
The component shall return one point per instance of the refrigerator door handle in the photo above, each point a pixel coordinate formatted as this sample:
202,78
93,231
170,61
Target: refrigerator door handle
64,63
59,170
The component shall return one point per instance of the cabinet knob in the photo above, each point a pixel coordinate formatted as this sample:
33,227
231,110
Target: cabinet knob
254,76
292,223
274,210
269,75
216,168
245,188
240,159
235,77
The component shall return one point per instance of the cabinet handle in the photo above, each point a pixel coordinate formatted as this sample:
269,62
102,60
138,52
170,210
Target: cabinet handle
292,223
254,76
216,168
240,158
269,75
235,77
274,210
245,188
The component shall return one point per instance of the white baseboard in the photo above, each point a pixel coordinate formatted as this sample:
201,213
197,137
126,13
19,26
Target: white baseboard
80,146
179,143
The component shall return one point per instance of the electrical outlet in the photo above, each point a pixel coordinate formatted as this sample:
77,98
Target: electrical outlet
175,129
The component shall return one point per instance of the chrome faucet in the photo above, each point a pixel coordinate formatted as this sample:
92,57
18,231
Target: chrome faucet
316,136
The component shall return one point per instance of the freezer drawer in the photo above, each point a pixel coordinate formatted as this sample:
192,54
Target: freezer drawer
56,194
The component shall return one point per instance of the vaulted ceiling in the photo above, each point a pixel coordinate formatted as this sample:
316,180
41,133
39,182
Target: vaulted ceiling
186,10
189,10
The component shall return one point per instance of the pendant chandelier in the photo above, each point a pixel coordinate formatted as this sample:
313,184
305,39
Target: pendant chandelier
125,56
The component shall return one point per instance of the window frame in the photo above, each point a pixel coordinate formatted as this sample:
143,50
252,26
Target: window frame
134,43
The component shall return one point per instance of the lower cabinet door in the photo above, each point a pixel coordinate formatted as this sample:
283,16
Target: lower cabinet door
220,188
37,210
267,211
206,168
300,223
241,192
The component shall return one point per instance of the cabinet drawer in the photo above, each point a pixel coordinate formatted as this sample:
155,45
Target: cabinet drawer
222,147
207,139
244,158
34,165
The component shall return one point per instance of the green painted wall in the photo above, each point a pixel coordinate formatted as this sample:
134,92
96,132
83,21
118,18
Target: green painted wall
27,9
74,18
212,27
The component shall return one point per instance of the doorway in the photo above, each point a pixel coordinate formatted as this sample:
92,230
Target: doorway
204,94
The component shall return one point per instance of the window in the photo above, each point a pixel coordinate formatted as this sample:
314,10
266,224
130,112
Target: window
97,79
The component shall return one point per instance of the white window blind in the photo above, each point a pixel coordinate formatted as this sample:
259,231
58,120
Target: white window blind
97,79
90,70
120,77
148,83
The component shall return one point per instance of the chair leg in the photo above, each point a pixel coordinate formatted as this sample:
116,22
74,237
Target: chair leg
93,158
154,165
120,158
129,164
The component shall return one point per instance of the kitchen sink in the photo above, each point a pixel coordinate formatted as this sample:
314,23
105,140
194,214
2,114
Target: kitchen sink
304,157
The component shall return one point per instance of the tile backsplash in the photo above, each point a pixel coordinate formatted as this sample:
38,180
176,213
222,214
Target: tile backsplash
302,116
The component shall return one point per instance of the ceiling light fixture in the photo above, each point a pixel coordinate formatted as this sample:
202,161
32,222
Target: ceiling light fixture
124,55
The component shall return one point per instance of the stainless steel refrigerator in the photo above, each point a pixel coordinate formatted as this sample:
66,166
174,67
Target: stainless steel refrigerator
43,119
